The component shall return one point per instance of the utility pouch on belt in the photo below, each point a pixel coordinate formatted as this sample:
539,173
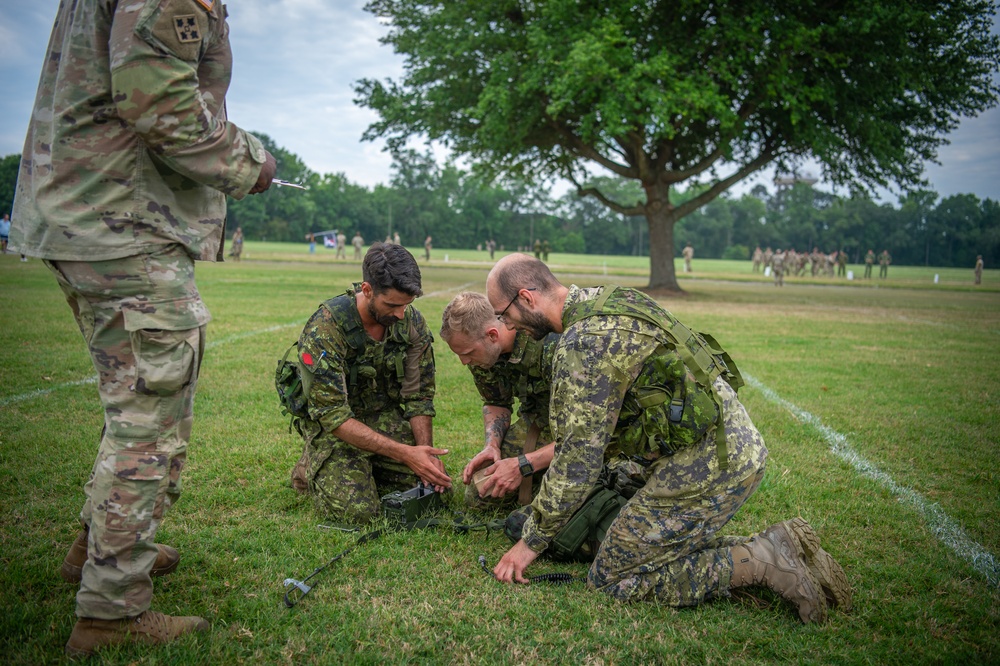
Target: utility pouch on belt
582,535
292,382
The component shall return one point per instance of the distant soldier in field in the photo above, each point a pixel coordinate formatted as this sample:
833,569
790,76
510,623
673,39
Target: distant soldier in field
688,254
818,261
768,255
979,269
538,249
757,258
884,260
428,245
341,246
831,262
546,248
842,264
358,242
778,268
869,262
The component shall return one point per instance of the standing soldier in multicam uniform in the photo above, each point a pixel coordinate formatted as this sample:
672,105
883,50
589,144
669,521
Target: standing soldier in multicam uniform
688,254
371,401
884,260
341,246
778,268
768,255
978,270
358,242
629,379
841,264
757,258
869,262
123,182
505,364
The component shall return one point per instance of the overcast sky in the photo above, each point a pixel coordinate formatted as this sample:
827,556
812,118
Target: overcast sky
296,61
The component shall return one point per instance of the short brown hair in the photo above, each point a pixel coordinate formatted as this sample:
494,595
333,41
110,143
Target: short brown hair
468,313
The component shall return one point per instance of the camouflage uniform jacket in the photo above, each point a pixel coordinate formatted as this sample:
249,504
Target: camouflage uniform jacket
525,373
355,376
596,362
129,148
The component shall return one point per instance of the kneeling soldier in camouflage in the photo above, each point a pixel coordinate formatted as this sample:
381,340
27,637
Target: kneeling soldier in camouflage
505,364
629,379
371,398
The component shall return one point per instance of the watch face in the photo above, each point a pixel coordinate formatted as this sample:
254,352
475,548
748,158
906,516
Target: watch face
526,468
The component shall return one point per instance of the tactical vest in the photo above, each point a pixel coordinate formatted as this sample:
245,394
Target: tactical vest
376,372
672,403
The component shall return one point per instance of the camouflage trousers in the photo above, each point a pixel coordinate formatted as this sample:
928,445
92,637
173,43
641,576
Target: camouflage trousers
665,543
347,483
511,447
144,324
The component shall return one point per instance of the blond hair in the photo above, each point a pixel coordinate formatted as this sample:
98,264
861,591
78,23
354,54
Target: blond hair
468,313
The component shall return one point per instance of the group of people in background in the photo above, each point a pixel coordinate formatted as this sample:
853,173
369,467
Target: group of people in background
819,264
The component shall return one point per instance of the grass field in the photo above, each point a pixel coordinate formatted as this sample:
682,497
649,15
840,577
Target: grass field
880,408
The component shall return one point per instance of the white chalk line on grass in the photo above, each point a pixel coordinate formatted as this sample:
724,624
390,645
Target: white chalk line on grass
941,524
38,393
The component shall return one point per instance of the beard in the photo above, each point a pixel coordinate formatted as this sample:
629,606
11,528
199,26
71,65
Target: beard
385,320
534,324
491,354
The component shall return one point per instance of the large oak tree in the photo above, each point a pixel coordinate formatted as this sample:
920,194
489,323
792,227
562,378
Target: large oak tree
669,91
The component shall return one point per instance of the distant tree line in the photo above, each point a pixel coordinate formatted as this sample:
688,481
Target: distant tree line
460,210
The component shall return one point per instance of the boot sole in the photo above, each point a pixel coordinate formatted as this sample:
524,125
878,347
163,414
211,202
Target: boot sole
824,568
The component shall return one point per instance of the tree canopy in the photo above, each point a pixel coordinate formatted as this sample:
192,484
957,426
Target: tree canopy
680,91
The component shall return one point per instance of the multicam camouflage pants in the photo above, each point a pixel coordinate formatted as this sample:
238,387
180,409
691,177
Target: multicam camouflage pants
347,483
144,323
665,543
511,447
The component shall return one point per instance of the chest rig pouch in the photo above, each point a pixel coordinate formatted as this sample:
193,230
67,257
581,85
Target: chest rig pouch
376,371
672,404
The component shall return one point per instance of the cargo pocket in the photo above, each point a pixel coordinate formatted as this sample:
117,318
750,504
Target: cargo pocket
132,500
167,351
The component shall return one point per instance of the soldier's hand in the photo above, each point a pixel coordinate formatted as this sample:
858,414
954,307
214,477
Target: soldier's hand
267,172
511,566
504,478
424,462
487,456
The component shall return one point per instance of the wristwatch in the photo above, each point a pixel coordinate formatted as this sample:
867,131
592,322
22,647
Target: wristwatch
525,465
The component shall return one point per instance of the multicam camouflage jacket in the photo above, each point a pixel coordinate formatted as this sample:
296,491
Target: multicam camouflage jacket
129,148
525,374
596,364
355,376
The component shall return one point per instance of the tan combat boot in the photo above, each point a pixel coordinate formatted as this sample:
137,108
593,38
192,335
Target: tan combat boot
149,628
72,567
822,566
774,558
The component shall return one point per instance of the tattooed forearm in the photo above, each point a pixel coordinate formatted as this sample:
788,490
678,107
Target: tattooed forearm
496,421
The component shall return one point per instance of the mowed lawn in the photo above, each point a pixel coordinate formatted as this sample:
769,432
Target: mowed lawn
880,408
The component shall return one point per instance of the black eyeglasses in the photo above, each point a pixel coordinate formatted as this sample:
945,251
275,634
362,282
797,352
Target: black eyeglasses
500,315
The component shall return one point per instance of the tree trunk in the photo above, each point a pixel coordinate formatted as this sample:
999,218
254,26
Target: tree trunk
661,249
661,216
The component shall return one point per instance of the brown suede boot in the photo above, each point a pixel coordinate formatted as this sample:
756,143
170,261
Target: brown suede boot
774,558
822,566
150,628
72,567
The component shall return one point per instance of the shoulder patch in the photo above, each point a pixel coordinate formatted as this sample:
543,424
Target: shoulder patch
187,29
